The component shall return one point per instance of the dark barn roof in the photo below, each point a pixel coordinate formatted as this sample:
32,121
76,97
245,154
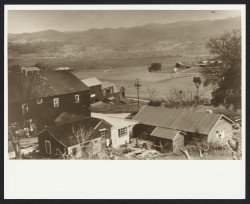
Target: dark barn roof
64,135
44,84
188,121
165,133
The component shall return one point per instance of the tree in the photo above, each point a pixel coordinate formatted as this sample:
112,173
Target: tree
226,48
42,66
155,67
197,82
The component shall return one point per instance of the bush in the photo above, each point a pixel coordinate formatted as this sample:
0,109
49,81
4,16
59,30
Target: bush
155,67
155,103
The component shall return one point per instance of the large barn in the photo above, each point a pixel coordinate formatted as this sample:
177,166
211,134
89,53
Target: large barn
44,95
208,127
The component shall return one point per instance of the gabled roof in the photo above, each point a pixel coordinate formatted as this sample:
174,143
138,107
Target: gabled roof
91,82
115,121
44,84
64,134
165,133
188,121
107,84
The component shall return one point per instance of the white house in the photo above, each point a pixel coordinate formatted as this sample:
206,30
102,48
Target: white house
121,127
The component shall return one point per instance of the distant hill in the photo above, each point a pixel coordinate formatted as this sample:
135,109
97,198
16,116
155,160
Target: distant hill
184,37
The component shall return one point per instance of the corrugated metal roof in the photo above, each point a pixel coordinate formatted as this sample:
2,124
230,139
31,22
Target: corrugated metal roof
44,84
114,121
165,133
91,81
188,121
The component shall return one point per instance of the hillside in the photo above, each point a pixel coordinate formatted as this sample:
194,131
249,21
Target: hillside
180,38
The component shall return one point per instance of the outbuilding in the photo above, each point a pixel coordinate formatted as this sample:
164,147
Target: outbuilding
95,86
74,138
121,128
172,140
215,129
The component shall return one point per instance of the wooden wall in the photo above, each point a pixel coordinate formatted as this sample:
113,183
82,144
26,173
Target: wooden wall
221,125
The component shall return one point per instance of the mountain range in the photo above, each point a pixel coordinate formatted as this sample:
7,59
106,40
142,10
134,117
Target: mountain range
184,37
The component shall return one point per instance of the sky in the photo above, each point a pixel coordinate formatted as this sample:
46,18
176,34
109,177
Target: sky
21,21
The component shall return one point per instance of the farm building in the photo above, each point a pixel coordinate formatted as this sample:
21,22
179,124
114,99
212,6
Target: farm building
64,139
179,65
44,96
109,89
121,93
173,140
120,128
95,86
207,127
30,70
64,69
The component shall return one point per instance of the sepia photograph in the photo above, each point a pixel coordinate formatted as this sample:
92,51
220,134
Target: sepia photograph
124,85
125,101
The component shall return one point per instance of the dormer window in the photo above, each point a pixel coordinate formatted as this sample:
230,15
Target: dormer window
77,98
39,101
56,102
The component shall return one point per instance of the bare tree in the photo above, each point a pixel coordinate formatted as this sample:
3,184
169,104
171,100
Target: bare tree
82,135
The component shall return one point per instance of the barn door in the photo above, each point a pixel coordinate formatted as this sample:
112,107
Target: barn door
47,147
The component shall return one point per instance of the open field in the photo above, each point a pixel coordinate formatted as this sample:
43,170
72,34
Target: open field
160,84
81,63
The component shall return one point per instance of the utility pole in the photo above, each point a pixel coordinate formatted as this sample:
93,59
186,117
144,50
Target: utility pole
137,86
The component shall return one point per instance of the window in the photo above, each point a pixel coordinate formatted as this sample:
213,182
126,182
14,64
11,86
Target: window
111,90
56,102
220,134
77,99
25,108
47,147
92,95
58,151
39,101
104,92
102,133
122,132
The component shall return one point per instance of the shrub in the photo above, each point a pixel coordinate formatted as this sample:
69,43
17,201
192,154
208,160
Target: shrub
155,67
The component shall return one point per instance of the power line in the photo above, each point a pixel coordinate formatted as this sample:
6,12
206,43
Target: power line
137,86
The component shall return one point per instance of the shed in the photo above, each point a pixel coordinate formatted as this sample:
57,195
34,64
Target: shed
120,128
63,139
95,86
179,64
30,70
109,89
172,140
